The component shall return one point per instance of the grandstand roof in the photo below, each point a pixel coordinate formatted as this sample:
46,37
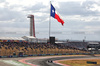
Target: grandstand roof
11,38
93,42
29,37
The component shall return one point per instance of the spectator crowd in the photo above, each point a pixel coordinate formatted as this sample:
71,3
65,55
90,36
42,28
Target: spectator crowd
29,48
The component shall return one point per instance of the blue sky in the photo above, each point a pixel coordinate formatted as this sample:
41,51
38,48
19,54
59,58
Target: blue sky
81,17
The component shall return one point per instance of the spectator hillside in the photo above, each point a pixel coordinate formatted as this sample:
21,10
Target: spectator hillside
27,48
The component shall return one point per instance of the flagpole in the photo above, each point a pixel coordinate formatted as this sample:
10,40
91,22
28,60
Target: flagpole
50,21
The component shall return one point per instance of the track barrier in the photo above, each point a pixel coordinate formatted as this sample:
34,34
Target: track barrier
14,56
90,62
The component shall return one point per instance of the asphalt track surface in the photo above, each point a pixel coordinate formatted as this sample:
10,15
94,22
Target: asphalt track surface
44,62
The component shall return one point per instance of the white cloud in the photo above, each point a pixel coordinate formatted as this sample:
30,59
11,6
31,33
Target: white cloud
95,7
2,5
21,2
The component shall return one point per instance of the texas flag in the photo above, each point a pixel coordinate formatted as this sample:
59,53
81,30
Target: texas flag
55,15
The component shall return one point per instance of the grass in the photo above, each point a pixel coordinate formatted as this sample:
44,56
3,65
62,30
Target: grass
80,62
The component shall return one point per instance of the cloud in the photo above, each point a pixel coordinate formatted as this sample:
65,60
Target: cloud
76,8
2,1
78,15
35,8
9,14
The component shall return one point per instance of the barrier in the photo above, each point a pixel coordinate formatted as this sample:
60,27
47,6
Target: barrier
77,53
80,53
10,56
63,54
86,53
67,53
30,55
35,55
59,54
47,54
90,62
20,55
43,54
25,55
39,55
14,56
51,54
56,54
4,56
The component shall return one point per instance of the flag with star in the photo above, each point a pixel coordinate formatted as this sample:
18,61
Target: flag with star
55,15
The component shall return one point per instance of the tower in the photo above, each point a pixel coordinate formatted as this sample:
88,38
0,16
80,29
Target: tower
32,25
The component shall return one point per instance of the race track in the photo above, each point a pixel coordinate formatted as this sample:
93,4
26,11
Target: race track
44,62
41,60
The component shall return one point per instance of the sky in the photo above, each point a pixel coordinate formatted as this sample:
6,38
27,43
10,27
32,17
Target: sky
81,17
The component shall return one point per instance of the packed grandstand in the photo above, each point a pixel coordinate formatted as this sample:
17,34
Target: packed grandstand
21,48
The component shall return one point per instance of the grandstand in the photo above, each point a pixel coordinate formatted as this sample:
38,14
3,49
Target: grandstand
22,47
93,47
31,46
